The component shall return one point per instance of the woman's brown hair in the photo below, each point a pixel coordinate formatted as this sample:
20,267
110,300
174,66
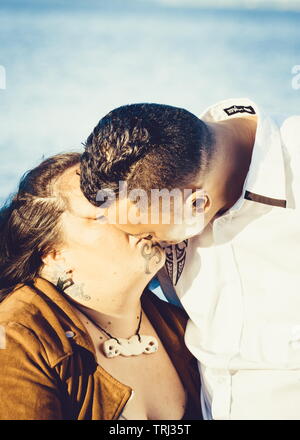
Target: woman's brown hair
29,222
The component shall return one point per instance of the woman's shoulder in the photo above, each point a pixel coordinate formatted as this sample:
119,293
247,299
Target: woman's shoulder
161,310
18,306
27,303
19,330
29,320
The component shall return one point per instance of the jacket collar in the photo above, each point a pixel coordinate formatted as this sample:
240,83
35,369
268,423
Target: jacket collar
72,326
265,181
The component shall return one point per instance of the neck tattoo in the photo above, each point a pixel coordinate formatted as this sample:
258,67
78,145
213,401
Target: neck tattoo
150,251
133,346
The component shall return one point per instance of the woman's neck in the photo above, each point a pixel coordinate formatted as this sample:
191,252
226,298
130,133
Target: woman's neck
116,309
121,321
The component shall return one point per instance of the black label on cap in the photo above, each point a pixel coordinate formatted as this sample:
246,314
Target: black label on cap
239,109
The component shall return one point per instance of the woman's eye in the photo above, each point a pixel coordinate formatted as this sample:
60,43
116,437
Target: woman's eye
148,237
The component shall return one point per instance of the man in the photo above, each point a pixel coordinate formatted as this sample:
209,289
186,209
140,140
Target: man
237,275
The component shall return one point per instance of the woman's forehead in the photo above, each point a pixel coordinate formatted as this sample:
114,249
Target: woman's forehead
69,187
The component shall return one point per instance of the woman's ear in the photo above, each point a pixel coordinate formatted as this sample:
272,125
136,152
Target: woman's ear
56,270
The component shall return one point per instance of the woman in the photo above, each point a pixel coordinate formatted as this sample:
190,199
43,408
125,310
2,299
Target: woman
82,336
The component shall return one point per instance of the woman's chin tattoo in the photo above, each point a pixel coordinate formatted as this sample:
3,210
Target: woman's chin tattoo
150,251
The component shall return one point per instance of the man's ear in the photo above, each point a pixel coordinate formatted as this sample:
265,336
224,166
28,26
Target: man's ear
199,200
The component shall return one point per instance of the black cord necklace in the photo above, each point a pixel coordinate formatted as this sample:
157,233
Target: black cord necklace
113,337
135,345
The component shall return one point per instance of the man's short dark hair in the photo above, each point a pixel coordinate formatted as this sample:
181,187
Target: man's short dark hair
148,146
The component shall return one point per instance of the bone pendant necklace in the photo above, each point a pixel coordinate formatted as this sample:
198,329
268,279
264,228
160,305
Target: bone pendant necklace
133,346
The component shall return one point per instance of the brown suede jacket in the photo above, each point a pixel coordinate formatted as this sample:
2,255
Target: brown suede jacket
45,375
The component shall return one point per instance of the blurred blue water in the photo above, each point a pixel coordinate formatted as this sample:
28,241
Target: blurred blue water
67,66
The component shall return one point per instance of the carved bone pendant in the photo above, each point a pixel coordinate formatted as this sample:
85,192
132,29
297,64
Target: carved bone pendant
130,347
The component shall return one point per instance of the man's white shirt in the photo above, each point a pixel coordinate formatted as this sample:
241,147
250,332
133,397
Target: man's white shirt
240,282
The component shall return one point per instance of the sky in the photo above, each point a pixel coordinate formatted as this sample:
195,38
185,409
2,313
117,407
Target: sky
69,62
223,4
250,4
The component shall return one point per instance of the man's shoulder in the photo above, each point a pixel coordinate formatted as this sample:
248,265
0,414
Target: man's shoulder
290,138
165,309
170,323
290,130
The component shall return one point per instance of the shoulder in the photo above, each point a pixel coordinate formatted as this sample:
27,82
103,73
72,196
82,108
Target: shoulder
29,322
18,305
25,306
162,310
170,323
290,131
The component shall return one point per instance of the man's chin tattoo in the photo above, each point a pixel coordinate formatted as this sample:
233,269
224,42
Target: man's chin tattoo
149,252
